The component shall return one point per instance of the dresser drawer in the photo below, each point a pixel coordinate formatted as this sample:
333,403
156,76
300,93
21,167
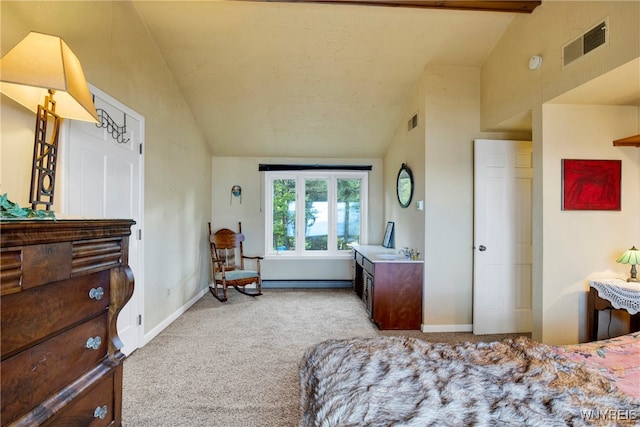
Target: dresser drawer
94,408
36,373
10,270
35,265
28,317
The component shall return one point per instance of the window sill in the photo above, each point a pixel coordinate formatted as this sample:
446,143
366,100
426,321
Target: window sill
342,257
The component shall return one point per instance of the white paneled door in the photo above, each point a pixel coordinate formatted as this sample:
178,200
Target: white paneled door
503,177
105,180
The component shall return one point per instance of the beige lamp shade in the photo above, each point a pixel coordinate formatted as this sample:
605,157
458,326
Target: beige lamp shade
41,62
630,256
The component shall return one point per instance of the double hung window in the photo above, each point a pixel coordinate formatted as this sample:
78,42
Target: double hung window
314,213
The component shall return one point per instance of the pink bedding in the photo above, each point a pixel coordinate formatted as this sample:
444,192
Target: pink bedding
616,358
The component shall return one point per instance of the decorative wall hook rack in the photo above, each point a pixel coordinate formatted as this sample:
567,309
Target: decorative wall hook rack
117,132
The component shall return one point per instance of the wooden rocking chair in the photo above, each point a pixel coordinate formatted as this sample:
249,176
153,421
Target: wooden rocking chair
223,244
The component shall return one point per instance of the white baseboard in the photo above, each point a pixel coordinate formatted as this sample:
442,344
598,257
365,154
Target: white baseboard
169,320
447,328
305,284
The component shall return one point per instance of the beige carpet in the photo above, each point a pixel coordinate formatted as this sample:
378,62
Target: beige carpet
236,363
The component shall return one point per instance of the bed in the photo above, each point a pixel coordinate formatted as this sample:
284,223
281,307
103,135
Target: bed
404,381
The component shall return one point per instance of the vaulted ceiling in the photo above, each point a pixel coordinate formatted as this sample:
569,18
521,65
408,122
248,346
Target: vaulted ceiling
311,78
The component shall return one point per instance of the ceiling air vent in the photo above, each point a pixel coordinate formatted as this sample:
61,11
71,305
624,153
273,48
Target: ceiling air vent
587,42
413,122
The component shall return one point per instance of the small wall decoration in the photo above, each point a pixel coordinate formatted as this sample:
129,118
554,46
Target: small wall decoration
591,184
236,191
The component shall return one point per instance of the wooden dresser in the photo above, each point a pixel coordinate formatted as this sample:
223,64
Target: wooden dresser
62,285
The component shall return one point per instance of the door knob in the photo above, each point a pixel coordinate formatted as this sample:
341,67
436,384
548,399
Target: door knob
482,248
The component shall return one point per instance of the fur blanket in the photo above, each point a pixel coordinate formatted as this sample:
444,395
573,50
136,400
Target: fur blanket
408,382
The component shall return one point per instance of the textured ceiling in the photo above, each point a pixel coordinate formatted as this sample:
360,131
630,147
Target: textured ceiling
308,80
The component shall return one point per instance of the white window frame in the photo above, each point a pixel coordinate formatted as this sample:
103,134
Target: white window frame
300,177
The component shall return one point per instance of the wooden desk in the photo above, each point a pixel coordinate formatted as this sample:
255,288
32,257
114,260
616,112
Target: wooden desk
614,294
390,286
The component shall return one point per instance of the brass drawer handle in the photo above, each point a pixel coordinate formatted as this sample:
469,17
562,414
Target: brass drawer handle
100,412
96,293
94,343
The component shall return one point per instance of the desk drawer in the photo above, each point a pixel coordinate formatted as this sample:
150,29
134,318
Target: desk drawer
30,316
368,266
32,375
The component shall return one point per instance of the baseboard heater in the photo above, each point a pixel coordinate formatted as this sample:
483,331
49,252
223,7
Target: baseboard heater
308,284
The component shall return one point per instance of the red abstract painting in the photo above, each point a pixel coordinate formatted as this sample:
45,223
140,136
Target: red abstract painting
591,184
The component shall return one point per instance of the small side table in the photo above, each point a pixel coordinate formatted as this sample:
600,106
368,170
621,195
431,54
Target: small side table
612,294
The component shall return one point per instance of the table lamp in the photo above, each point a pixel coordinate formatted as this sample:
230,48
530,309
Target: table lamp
31,73
631,256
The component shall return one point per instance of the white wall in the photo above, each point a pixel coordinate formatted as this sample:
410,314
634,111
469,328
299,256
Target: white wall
581,245
440,153
452,106
453,122
119,57
408,147
509,88
226,211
